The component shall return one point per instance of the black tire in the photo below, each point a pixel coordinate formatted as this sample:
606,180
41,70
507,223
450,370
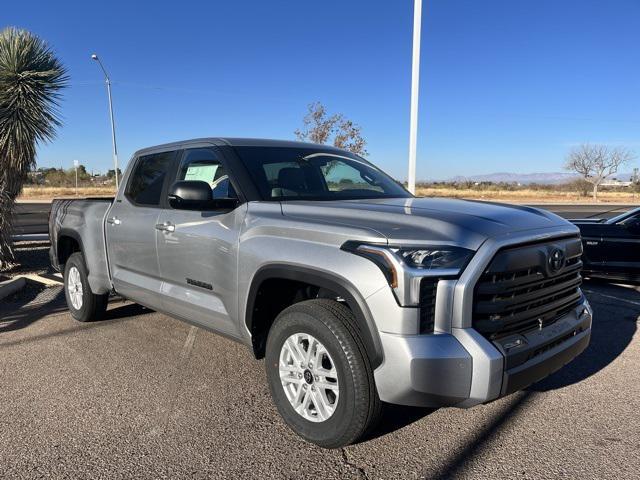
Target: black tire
358,407
92,306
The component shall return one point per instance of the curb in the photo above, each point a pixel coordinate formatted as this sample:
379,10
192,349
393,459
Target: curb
31,237
9,287
45,279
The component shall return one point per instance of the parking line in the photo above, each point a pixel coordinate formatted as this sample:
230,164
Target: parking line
176,384
613,297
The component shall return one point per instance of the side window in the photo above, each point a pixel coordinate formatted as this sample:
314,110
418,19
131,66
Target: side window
145,187
632,219
203,164
341,176
285,179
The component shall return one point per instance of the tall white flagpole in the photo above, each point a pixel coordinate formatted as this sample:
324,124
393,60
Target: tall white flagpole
415,87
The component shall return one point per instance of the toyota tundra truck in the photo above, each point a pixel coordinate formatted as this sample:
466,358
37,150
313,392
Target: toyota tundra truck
353,291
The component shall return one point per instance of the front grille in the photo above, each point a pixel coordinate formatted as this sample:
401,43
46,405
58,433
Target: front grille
428,289
519,290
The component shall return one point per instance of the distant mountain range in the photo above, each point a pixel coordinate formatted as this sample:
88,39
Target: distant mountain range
553,178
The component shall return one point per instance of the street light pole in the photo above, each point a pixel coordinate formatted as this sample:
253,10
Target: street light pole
113,125
415,86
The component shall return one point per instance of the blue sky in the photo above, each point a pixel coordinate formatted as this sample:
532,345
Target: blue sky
505,85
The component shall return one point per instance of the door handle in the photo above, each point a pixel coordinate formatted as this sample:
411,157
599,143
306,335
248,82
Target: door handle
166,227
113,221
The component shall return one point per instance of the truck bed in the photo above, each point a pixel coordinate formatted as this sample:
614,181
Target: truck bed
77,225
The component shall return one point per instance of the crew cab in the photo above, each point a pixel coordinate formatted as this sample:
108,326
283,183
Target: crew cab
353,290
612,247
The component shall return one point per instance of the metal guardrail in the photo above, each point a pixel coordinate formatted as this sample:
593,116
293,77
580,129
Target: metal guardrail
31,218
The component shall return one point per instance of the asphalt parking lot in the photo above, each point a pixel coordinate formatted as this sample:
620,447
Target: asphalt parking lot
140,395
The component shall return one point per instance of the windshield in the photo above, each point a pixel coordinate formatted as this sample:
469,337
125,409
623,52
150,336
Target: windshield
289,173
625,216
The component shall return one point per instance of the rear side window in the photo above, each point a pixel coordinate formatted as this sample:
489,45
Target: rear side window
147,180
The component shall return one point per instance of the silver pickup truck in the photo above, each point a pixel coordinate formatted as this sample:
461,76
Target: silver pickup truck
354,291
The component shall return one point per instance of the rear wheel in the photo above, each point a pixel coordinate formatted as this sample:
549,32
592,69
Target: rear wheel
83,304
319,375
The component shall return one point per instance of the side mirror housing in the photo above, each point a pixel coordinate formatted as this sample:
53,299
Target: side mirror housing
196,195
189,194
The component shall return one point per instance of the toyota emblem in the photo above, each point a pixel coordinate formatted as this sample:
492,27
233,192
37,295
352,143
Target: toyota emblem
557,260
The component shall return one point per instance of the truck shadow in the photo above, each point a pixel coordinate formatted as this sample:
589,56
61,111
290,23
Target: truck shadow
30,307
616,311
396,417
115,315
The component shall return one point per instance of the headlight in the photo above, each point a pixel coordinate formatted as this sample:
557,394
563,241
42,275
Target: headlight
405,267
433,258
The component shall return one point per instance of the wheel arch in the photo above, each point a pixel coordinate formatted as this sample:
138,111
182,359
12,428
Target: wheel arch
324,280
64,248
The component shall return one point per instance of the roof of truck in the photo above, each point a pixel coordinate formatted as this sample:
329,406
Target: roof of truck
235,142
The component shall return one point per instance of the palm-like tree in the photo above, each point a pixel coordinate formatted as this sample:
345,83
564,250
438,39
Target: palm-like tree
31,78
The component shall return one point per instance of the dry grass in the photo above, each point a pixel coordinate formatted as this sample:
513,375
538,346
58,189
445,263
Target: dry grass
529,195
515,196
47,193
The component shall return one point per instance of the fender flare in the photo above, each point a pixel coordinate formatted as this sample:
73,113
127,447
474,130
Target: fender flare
66,232
345,289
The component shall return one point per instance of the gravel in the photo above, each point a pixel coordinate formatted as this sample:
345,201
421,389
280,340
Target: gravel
31,257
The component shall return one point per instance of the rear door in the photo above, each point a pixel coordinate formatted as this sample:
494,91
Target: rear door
198,250
131,229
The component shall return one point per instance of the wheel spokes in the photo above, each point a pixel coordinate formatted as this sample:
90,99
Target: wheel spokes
309,377
74,288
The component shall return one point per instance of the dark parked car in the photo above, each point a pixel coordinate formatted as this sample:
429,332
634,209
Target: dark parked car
612,247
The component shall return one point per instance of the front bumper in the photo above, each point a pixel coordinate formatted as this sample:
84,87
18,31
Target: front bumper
533,356
465,369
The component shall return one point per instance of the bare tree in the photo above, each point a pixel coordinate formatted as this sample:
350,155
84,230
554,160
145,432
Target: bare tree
31,77
319,127
595,163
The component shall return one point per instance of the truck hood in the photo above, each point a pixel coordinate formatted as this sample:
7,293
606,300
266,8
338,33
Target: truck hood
403,220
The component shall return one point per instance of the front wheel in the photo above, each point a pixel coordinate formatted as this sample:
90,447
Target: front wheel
319,375
84,305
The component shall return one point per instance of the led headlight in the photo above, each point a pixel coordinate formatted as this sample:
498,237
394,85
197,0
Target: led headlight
405,267
433,258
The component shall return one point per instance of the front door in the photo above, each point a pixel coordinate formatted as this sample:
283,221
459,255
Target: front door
622,247
131,230
198,250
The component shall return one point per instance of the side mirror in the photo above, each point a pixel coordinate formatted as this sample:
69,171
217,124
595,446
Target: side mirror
189,194
196,195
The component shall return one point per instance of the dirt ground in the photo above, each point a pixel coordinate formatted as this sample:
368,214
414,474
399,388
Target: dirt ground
47,193
529,196
517,196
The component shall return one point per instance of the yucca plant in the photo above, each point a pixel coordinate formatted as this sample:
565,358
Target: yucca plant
31,78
